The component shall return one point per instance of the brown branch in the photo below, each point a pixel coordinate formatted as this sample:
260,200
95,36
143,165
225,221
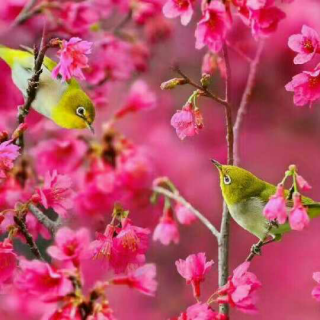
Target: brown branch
245,100
177,197
26,13
30,241
203,91
52,226
223,252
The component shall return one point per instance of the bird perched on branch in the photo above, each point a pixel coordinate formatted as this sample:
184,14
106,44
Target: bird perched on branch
246,196
64,102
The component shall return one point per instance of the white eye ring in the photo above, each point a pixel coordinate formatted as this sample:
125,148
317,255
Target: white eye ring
81,111
226,179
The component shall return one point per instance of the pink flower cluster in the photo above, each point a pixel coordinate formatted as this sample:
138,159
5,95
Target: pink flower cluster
305,85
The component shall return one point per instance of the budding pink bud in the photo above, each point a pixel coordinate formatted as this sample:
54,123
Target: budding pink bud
172,83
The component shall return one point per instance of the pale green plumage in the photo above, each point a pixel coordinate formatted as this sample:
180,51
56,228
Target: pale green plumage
56,100
246,195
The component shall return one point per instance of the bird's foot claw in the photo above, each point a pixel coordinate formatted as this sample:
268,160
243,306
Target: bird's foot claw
256,250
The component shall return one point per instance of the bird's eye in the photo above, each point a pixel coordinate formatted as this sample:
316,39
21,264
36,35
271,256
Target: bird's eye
81,111
226,179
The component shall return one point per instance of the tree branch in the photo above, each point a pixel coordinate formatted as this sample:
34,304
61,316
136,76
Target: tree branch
245,100
176,196
30,241
223,252
52,226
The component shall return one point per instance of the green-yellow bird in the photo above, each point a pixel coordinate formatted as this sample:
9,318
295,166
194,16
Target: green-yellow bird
246,195
65,103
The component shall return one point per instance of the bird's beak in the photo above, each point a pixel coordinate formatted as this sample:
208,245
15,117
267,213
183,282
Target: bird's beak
90,127
217,164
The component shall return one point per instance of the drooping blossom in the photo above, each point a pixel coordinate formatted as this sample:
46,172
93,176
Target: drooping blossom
73,59
70,245
306,44
200,311
182,8
8,260
316,291
8,153
144,10
62,154
40,279
187,121
212,28
67,312
240,290
140,98
276,208
298,217
141,279
129,246
166,230
55,193
194,269
183,214
102,246
306,87
302,183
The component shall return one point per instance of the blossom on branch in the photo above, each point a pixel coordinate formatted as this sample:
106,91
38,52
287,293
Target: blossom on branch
73,58
298,217
240,290
182,8
8,261
194,269
8,153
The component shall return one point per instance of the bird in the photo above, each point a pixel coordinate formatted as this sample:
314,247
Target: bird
246,195
65,103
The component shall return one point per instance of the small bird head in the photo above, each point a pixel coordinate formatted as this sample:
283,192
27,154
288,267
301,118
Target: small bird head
237,184
75,110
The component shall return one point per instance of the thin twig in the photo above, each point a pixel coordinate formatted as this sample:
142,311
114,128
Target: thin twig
176,196
259,244
33,86
25,13
239,52
52,226
30,241
123,22
204,91
245,100
223,252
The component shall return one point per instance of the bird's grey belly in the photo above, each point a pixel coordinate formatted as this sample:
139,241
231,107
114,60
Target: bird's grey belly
248,214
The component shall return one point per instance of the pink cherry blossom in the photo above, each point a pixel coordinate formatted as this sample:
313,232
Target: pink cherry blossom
63,154
40,279
8,260
306,44
144,10
306,87
257,4
67,312
36,228
102,312
102,246
316,291
56,193
8,153
298,217
302,183
176,8
72,59
276,208
78,17
167,230
265,21
212,28
70,245
194,269
240,290
200,311
129,246
141,279
140,98
183,214
187,121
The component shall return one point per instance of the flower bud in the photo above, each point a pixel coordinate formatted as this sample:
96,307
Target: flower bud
172,83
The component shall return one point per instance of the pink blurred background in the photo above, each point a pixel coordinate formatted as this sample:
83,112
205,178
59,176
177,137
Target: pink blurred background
275,134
